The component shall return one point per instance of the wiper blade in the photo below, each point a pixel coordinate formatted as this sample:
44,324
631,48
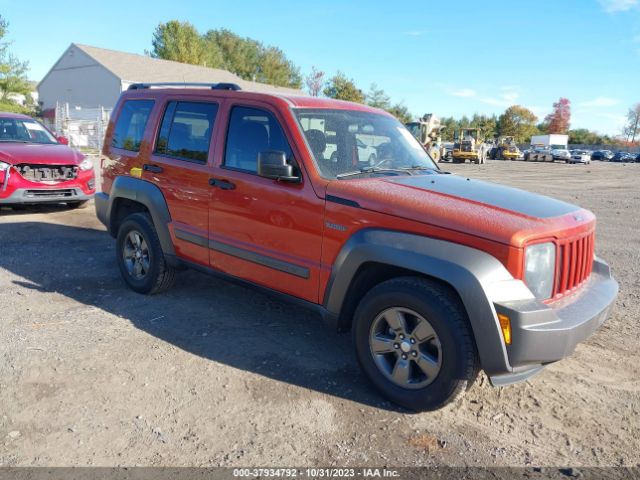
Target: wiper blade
372,170
9,140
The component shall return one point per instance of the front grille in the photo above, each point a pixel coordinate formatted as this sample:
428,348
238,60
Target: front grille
47,173
62,193
575,261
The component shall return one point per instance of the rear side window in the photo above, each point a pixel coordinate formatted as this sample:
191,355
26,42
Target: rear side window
252,131
131,124
186,130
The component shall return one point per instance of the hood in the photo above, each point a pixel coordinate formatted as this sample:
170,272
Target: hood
488,210
34,153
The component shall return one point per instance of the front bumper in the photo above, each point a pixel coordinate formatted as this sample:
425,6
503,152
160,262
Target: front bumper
545,333
465,155
23,196
15,189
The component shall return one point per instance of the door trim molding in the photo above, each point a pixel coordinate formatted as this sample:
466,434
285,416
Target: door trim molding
244,254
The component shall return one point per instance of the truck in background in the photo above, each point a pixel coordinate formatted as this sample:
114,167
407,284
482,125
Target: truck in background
427,131
552,141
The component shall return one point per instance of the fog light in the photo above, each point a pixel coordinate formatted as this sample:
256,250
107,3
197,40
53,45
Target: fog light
505,325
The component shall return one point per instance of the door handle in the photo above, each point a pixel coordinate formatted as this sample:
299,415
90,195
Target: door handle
223,184
152,168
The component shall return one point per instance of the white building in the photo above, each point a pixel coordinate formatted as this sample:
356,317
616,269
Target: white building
89,77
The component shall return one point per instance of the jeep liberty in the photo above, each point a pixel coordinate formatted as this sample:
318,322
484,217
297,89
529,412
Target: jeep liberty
336,206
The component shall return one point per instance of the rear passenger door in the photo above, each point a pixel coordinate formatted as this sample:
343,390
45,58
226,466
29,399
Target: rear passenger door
180,166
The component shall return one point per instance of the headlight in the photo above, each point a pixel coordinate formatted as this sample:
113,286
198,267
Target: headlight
86,164
539,269
4,166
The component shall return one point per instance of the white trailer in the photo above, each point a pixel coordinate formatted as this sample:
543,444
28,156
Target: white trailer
552,141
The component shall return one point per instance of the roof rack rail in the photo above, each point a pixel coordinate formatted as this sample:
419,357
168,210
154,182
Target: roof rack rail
212,86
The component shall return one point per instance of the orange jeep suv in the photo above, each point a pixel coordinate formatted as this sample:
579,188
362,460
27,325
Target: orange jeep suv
336,206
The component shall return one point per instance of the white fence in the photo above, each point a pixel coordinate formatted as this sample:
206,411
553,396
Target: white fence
84,127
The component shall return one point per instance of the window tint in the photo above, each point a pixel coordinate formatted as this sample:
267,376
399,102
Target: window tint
131,124
252,131
186,130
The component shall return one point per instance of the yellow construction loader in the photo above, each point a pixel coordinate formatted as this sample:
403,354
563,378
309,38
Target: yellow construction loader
506,149
467,146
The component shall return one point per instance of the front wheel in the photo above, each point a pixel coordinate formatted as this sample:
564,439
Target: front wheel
140,258
413,341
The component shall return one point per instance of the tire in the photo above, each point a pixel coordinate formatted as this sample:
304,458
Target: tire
77,205
154,275
452,352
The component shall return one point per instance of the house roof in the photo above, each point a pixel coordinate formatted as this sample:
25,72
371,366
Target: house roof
132,68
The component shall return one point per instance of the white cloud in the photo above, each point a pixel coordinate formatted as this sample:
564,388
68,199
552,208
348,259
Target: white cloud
414,33
463,92
612,6
507,97
600,102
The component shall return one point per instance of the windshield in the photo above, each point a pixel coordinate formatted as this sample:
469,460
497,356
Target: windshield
346,141
23,130
414,128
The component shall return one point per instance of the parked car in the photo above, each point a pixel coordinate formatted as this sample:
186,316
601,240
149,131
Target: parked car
602,155
366,153
622,157
447,151
435,275
638,157
37,167
580,156
561,154
539,154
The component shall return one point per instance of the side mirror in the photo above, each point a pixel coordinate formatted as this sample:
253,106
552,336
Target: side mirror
273,164
63,140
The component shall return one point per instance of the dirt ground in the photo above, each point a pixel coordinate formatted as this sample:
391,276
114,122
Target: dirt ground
215,374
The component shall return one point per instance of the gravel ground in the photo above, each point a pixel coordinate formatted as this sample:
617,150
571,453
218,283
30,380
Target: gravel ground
215,374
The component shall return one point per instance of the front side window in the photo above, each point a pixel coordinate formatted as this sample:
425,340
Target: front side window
348,143
252,131
131,123
186,130
23,130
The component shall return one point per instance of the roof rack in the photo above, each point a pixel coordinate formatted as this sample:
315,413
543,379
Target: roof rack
212,86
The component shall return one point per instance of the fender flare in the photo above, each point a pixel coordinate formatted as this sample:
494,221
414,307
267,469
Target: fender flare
145,193
470,272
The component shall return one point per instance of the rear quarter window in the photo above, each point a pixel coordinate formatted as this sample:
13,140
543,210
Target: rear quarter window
130,125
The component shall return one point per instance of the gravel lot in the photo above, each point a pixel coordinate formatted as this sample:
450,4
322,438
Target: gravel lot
214,374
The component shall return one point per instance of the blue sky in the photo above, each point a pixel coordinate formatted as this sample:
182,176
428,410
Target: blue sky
450,58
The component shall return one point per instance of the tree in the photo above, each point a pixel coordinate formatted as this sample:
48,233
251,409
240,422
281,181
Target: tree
13,77
239,55
633,123
314,82
180,42
275,69
401,112
558,121
247,58
518,122
342,88
582,136
377,98
487,125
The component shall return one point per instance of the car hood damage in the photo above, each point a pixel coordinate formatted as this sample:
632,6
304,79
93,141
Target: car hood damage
488,210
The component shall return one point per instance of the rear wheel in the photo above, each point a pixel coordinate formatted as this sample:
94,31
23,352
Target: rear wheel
140,258
413,341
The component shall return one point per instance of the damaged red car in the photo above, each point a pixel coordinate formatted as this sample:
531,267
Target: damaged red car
38,167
